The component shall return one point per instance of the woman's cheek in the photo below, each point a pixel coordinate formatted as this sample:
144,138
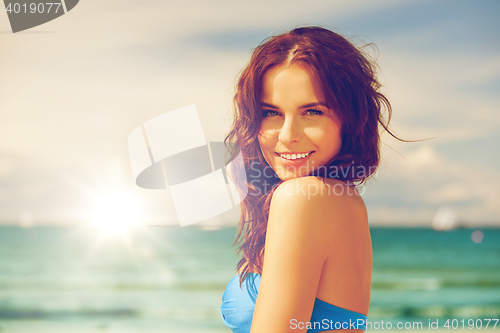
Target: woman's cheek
314,133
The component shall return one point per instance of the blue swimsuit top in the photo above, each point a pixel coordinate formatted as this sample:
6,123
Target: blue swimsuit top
238,305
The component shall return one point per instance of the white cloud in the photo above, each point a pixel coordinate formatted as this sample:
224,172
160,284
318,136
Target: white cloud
421,180
452,192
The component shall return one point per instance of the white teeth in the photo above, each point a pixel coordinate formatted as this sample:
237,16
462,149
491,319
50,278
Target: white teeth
294,156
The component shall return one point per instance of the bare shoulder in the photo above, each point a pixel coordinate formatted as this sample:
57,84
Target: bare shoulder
316,193
327,205
316,229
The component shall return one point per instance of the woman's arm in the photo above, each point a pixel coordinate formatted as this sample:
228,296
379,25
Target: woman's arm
305,219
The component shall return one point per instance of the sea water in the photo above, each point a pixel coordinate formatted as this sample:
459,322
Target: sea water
171,279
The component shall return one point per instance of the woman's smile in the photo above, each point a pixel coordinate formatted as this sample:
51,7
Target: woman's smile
298,133
294,156
294,162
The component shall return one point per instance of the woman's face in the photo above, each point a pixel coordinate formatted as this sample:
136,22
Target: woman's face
298,133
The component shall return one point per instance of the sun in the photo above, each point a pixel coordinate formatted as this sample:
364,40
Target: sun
115,214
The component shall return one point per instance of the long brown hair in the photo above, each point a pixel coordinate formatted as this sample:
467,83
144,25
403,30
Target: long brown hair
349,82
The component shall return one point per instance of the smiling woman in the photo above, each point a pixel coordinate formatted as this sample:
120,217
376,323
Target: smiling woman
298,130
308,110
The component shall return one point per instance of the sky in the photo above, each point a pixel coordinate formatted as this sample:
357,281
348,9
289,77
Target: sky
73,89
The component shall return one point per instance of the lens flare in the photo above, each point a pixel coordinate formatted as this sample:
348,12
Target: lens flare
115,214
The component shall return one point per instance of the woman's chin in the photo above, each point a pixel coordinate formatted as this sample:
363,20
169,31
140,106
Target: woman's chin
289,175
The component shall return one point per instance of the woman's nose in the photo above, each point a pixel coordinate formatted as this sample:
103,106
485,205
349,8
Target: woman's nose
291,131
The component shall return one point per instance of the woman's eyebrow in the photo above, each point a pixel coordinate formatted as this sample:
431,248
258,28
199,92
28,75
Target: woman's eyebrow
310,105
305,106
269,106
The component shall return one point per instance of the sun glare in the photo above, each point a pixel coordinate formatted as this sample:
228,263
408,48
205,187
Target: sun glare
115,215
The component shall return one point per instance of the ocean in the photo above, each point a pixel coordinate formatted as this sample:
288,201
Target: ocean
171,279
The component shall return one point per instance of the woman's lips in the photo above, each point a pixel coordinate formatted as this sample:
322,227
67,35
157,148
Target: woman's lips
289,160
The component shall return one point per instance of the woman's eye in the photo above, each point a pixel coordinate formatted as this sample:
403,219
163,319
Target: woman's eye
269,113
314,112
